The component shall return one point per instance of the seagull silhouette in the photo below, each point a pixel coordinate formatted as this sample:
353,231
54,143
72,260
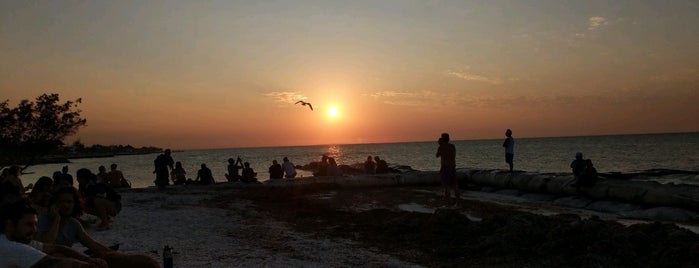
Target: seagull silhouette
305,103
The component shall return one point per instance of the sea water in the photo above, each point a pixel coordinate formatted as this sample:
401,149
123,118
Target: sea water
617,153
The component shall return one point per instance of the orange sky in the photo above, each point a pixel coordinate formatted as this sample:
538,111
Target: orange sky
192,74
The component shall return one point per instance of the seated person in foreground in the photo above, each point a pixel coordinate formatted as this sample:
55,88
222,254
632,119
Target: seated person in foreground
275,170
204,176
17,227
62,228
41,193
249,174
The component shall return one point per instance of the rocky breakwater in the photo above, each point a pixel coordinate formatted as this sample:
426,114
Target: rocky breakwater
630,197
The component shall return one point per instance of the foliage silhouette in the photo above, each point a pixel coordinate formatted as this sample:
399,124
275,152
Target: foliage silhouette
34,129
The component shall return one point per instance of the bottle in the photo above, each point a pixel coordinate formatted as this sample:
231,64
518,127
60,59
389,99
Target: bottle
167,257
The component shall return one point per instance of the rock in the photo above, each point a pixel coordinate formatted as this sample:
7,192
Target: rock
662,214
573,201
611,206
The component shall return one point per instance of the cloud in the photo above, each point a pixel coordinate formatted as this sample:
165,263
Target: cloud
286,96
473,77
398,98
596,22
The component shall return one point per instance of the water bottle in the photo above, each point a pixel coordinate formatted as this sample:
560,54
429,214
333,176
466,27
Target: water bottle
167,257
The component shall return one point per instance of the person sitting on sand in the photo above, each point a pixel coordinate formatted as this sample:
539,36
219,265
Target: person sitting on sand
66,178
115,178
12,179
381,165
179,175
289,169
17,227
41,193
204,176
275,170
100,199
233,169
249,174
102,174
62,228
369,166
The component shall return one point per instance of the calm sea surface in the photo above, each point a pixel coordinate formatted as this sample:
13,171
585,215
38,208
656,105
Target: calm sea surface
619,153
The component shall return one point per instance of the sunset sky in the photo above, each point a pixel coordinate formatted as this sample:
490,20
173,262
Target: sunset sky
221,74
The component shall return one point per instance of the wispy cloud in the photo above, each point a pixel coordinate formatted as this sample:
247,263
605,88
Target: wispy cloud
286,96
399,98
474,77
596,22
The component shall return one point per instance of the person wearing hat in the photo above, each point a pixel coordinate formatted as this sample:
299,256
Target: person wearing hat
447,172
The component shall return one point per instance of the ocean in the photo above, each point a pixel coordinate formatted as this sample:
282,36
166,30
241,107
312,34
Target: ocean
614,153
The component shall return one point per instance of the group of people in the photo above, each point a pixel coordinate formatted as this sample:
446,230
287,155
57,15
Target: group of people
284,170
584,172
166,170
38,228
375,166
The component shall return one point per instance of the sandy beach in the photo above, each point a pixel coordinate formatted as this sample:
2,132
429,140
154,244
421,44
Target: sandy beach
328,225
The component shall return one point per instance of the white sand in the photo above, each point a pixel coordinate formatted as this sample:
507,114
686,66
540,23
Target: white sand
212,237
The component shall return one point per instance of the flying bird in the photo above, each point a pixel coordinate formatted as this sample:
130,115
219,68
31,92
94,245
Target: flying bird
305,103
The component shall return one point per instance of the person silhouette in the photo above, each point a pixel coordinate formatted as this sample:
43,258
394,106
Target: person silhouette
204,176
163,164
275,170
509,145
447,172
289,169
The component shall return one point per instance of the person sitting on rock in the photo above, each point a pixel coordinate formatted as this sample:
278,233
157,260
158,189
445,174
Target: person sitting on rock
578,165
333,169
369,166
588,177
275,170
381,165
289,169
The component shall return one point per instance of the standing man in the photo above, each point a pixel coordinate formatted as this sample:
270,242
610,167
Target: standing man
447,172
509,145
163,164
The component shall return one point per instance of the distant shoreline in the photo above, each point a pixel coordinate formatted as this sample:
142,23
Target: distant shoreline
65,158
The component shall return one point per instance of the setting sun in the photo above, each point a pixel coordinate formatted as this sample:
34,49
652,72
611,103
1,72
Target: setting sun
333,111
